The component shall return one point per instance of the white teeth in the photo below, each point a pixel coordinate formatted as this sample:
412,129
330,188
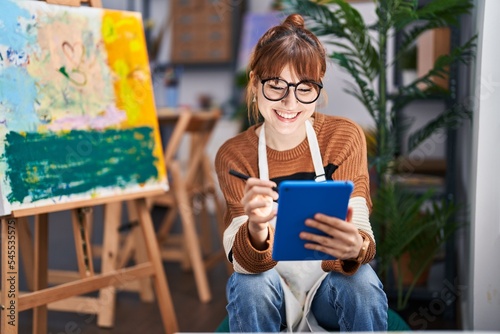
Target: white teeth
287,116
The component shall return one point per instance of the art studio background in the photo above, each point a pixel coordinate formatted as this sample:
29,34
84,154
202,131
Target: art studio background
198,50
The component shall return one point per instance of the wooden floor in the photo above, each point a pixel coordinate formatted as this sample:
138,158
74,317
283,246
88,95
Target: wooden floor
132,315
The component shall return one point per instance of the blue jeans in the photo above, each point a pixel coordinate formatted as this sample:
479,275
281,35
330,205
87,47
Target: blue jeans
256,302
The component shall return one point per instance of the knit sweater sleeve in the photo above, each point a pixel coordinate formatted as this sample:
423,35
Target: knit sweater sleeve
351,159
239,155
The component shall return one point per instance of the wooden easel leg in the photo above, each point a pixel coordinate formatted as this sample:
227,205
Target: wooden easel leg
41,276
26,248
9,296
141,254
82,241
160,280
127,249
111,237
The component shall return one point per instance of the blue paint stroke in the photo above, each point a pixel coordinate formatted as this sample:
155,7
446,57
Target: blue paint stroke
17,58
10,29
17,88
18,93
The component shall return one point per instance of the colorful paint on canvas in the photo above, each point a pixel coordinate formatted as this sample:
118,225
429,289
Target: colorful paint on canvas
77,113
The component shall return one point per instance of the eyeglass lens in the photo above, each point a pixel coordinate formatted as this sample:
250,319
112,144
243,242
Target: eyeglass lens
277,89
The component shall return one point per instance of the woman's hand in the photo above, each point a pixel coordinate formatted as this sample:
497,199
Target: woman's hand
257,203
342,241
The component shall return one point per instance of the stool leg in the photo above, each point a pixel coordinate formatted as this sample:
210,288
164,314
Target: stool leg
192,242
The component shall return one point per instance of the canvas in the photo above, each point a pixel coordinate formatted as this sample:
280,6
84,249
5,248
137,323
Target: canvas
77,113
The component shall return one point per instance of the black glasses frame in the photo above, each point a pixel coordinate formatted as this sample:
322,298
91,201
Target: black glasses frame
288,85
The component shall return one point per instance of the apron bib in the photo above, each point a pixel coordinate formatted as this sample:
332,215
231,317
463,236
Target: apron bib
299,276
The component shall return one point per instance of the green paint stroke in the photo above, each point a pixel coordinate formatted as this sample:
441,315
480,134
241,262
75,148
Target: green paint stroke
63,71
49,165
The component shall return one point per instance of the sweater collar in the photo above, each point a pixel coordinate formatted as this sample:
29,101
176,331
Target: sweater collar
311,141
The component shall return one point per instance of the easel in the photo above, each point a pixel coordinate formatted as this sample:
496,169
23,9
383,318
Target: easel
62,296
196,181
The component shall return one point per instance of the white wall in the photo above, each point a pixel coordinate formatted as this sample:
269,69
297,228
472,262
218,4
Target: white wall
485,207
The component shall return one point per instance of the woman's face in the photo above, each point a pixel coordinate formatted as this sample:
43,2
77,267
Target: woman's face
286,116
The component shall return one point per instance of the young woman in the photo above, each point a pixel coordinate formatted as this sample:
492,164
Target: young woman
295,142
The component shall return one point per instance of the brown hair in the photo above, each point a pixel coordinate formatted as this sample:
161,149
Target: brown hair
289,43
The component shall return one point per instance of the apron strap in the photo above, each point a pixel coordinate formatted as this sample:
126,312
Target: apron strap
263,166
315,153
313,146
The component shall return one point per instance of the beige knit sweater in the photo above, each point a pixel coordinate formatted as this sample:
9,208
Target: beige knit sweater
343,148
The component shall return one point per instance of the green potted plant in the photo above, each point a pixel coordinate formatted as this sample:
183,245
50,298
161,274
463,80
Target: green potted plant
399,219
409,234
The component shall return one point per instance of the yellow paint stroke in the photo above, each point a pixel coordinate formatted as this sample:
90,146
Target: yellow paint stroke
125,44
127,56
32,176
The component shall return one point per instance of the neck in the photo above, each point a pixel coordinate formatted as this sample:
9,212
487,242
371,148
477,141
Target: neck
283,142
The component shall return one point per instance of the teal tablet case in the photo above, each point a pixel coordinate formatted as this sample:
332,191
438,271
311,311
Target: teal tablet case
299,200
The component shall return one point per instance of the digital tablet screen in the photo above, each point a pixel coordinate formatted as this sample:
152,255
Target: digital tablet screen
299,200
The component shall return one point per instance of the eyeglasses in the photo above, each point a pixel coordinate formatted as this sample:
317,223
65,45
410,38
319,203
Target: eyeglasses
306,91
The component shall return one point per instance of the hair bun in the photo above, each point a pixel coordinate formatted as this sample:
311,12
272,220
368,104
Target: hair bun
294,20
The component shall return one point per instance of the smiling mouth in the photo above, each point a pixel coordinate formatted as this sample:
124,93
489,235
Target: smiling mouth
287,115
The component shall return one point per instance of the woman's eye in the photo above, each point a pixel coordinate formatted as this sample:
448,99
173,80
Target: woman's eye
277,87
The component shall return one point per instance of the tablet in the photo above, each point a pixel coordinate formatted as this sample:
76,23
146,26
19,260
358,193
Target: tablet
299,200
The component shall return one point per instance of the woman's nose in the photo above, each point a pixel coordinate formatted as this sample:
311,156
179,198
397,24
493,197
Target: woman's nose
290,101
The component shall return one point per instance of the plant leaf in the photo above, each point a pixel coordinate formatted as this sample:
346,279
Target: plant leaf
365,94
447,11
425,87
337,19
450,119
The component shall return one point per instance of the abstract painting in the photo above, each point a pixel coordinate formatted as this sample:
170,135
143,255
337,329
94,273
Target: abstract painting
77,113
